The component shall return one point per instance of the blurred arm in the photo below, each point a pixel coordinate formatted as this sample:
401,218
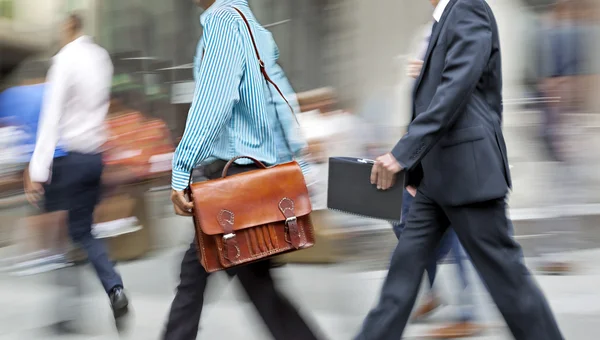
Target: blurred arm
47,134
289,124
217,91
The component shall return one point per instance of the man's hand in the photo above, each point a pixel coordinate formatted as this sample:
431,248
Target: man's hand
414,67
182,206
33,190
384,171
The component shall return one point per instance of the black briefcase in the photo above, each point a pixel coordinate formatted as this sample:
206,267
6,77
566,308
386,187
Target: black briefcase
350,190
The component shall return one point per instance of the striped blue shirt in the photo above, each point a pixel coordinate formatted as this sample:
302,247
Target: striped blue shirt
234,110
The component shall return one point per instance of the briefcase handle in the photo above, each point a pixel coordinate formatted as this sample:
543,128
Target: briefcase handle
256,161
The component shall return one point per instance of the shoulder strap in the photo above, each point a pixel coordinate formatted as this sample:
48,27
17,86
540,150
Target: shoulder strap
261,63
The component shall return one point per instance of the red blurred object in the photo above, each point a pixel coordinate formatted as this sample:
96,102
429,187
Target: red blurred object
142,146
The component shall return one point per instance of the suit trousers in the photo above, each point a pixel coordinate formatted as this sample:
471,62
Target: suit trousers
449,243
485,232
280,316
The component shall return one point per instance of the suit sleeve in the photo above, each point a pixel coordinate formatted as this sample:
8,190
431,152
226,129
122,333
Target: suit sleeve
469,38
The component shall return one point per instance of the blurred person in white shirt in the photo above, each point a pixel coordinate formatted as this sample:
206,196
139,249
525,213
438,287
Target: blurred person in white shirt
74,109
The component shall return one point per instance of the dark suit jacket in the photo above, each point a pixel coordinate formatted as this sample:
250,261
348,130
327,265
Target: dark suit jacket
454,149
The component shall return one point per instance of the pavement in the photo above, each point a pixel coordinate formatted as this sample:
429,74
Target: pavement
334,299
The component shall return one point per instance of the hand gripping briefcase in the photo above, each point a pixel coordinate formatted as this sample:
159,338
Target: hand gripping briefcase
251,216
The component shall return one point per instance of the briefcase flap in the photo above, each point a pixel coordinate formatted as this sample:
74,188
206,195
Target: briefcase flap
251,198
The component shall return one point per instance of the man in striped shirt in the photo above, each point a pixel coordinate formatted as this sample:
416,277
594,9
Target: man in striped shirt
234,112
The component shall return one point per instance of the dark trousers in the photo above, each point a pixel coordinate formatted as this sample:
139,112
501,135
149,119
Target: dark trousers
449,243
279,315
75,187
485,232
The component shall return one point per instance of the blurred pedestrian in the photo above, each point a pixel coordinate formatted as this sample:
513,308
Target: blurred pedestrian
455,159
234,112
75,105
563,66
464,326
20,106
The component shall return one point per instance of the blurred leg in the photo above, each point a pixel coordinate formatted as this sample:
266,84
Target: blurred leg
84,194
466,294
484,231
186,308
56,205
432,301
464,327
68,304
425,225
407,200
431,270
441,251
280,316
562,231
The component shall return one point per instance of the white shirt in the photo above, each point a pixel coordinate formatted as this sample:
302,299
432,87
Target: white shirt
75,104
425,42
439,9
437,15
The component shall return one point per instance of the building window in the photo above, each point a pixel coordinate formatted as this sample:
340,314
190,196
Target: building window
7,9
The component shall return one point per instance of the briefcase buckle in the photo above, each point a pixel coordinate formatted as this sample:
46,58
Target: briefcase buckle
226,244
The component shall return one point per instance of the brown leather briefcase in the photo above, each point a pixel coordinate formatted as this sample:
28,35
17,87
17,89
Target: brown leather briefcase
251,216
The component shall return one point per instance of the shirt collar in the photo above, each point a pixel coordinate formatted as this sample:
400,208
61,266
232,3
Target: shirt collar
213,7
76,42
439,9
83,38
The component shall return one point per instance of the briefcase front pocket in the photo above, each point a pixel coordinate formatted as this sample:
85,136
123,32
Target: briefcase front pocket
251,216
260,242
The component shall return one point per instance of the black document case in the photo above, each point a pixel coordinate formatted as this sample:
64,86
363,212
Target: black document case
350,190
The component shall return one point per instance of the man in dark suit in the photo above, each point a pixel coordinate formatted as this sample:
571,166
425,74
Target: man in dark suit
455,157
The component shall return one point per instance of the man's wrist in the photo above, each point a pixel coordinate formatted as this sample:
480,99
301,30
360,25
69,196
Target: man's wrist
397,152
38,174
180,180
402,166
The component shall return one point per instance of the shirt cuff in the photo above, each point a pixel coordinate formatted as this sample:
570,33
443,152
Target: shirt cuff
38,173
304,166
180,180
401,164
